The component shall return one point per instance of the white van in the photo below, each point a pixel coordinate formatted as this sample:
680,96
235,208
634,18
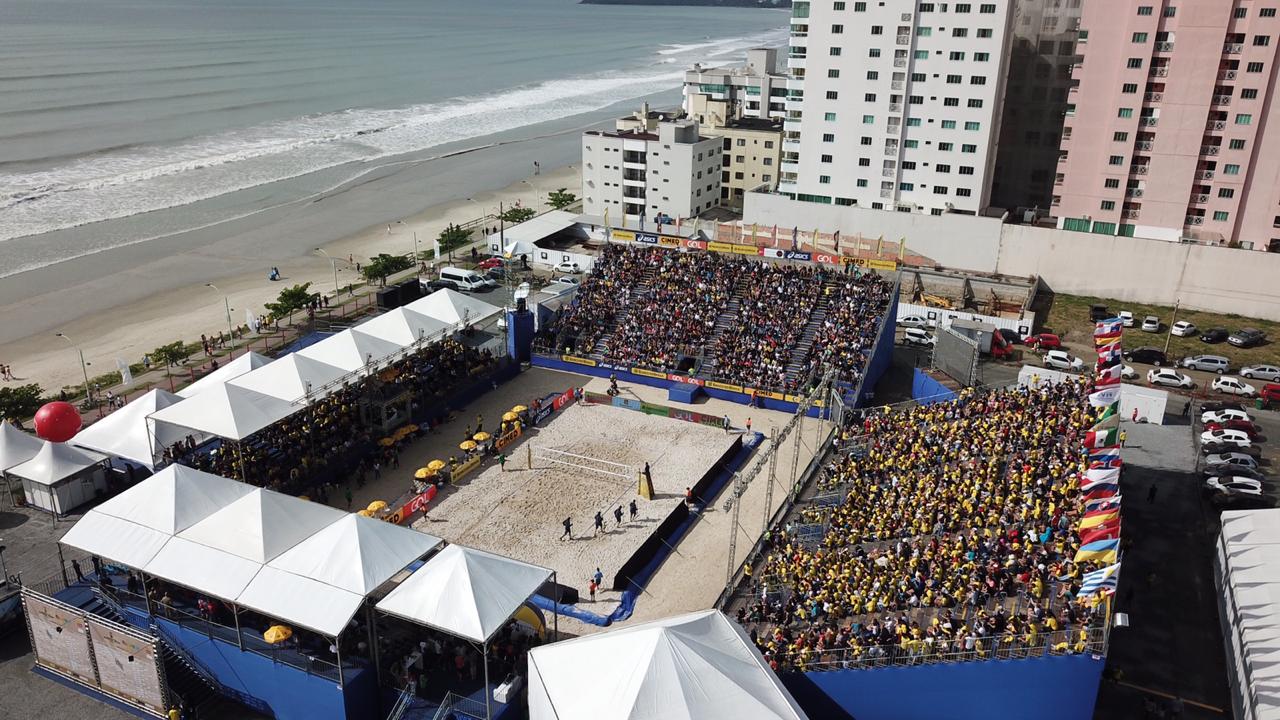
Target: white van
466,280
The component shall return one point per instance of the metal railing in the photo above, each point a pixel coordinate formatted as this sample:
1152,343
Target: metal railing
1221,99
1205,174
1232,48
904,39
1153,97
1138,169
1129,214
891,150
1164,47
1200,198
899,62
1194,220
1144,144
895,107
896,85
1210,149
407,693
1159,71
1216,125
1148,121
1227,75
888,172
1133,192
462,707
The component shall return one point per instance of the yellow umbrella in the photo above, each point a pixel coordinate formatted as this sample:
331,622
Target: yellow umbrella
386,442
365,513
436,465
481,436
511,416
377,505
467,445
277,634
424,473
519,408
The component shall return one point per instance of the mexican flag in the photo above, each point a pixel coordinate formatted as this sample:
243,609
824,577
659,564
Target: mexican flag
1102,438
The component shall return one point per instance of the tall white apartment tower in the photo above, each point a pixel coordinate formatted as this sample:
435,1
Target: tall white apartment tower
895,104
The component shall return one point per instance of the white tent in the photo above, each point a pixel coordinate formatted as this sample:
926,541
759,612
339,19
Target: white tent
403,327
16,446
292,377
356,553
699,666
352,351
465,592
235,368
125,433
1247,575
174,499
306,602
227,411
120,540
520,238
261,525
454,308
60,478
203,568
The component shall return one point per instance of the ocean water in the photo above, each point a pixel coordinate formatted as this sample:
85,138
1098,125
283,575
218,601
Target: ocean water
113,108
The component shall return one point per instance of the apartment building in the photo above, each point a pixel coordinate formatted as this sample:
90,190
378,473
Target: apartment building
720,95
1041,57
1166,132
895,105
752,150
674,171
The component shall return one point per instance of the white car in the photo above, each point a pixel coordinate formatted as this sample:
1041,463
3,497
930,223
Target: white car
566,279
1151,324
1128,373
1221,416
1170,378
916,321
1182,328
1233,386
1061,360
567,267
1270,373
1225,436
1227,483
919,337
1126,317
1231,458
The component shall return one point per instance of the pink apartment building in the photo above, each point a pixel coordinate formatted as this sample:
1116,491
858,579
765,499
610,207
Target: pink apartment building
1168,131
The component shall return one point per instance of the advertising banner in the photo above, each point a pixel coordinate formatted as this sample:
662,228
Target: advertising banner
562,399
695,244
746,250
416,503
685,379
645,372
668,241
724,386
720,247
626,235
647,238
507,439
578,360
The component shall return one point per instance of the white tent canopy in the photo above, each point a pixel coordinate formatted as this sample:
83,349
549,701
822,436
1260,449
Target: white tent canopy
454,308
699,666
261,525
1247,571
174,499
356,554
16,447
403,327
234,368
54,462
519,239
227,411
120,540
292,377
125,434
465,592
352,351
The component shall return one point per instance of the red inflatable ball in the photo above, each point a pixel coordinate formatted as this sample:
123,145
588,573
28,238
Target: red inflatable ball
58,421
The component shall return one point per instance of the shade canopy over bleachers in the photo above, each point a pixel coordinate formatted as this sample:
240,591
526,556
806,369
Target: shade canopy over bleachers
16,447
291,378
125,434
227,411
235,368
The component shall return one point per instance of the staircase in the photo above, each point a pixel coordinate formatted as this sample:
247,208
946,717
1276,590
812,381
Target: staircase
726,321
639,292
804,347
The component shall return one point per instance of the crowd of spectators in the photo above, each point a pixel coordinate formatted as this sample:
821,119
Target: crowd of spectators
663,304
953,531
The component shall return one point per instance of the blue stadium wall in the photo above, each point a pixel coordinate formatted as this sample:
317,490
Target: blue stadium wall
1059,687
927,391
881,352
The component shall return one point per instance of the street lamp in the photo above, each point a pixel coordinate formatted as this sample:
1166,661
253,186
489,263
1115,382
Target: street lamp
231,333
83,365
335,271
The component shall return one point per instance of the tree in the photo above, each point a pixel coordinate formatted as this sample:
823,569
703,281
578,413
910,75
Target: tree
384,265
561,199
517,215
291,300
453,236
20,402
171,354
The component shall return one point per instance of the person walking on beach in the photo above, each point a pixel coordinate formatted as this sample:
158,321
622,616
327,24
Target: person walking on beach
479,423
598,577
1123,436
634,511
599,522
617,515
591,588
568,529
725,422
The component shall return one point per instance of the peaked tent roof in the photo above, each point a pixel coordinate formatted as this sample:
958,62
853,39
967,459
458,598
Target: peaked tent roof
16,446
174,499
454,308
696,666
356,554
124,433
403,327
351,350
54,462
290,378
465,592
261,525
310,603
115,539
235,368
227,411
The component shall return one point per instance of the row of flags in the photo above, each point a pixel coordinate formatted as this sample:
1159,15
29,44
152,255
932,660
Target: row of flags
774,235
1100,485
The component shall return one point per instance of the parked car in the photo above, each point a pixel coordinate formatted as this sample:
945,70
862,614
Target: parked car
1044,341
497,274
1227,415
1148,355
1244,472
1010,336
1219,405
1270,392
1233,484
1214,335
1150,324
1261,372
916,321
1252,451
1062,361
441,284
490,263
919,337
1244,426
1126,318
1233,386
1226,437
1231,500
1208,363
1228,459
1182,328
1128,373
1098,312
1247,337
567,267
566,279
1170,378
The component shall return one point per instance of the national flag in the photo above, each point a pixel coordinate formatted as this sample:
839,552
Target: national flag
1110,350
1106,531
1101,474
795,237
1106,362
902,249
814,243
606,220
1108,376
1096,520
1105,464
126,375
1112,410
1105,328
1109,512
1101,490
753,233
1110,423
879,245
1100,582
1102,503
1101,340
836,238
1102,438
1100,551
775,235
1105,396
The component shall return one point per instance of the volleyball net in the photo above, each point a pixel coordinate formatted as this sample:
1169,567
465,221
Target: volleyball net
549,456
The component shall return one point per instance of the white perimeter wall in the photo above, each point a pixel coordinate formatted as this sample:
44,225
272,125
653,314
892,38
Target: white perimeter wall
1149,402
1201,277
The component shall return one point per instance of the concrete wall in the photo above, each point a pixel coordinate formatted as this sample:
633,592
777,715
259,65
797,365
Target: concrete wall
1201,277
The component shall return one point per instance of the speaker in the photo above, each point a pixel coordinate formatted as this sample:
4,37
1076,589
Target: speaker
410,290
389,298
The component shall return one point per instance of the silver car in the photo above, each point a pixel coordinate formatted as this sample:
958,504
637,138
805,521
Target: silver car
1208,363
1270,373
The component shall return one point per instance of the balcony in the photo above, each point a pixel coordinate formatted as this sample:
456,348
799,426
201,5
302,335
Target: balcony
895,107
896,84
633,175
1227,75
1129,214
633,193
904,39
899,62
1204,174
1209,149
1133,192
1221,99
891,151
888,172
1144,145
1194,220
886,193
1153,97
905,17
1232,48
1216,125
1138,169
1200,198
1159,71
791,125
1148,121
1164,47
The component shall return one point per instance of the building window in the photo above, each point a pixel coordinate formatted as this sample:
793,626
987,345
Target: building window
939,190
957,56
1115,160
1139,37
1129,88
1226,192
1120,137
824,179
864,162
826,158
862,182
943,168
972,125
829,117
828,137
975,103
951,102
868,119
1261,40
969,148
1230,169
1108,205
987,8
859,7
981,57
768,144
959,32
966,170
766,178
955,79
948,124
1267,12
1170,11
1111,183
1135,63
835,52
838,6
920,54
1248,94
908,164
1236,144
1144,9
1220,215
833,95
869,97
1254,67
837,29
945,147
918,77
865,140
1244,119
1125,113
963,192
984,32
1239,13
873,52
913,122
835,73
906,187
963,7
915,100
923,31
